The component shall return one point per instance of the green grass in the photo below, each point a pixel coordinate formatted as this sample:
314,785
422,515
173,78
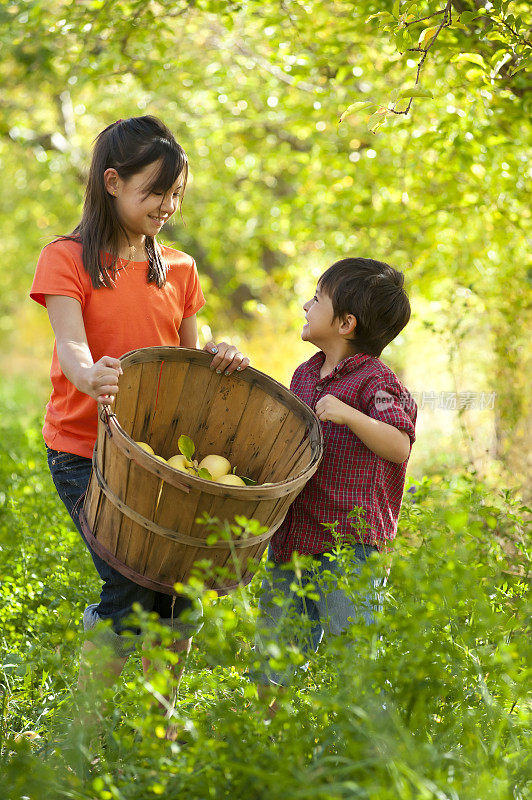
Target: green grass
432,703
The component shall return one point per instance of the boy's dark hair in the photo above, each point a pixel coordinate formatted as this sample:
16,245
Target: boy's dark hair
373,292
128,145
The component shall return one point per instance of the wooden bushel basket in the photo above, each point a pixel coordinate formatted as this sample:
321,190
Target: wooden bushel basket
140,515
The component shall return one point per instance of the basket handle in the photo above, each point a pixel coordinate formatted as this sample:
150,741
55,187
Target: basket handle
105,416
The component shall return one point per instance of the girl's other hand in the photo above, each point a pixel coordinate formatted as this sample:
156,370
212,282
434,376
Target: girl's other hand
227,358
101,380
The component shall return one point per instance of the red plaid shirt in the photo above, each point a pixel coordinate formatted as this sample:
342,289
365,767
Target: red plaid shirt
350,474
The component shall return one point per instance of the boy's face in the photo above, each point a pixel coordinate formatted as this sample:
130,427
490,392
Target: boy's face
321,328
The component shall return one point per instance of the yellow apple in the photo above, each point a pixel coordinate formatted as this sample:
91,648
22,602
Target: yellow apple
179,462
230,480
217,466
159,458
145,447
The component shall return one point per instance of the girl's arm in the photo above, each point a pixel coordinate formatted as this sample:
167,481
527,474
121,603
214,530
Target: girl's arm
227,357
99,380
385,440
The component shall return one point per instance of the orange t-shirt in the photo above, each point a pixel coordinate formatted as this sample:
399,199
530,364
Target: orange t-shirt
131,314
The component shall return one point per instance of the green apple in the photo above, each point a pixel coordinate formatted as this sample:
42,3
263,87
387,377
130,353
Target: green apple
216,465
145,447
180,462
230,480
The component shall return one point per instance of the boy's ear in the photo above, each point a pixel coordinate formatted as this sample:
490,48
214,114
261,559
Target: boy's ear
347,325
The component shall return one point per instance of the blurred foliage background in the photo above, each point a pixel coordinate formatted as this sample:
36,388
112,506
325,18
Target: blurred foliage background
427,170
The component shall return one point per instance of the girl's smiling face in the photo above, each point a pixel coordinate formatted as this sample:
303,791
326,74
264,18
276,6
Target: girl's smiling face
143,212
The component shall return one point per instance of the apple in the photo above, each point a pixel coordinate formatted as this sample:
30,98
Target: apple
179,462
217,466
159,458
145,447
230,480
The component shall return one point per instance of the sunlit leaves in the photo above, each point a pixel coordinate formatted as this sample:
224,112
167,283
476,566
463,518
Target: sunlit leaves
415,91
360,105
473,58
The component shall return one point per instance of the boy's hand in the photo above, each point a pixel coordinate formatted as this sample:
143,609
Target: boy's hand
330,409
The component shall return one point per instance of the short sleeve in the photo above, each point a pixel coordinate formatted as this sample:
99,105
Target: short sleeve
388,401
194,299
60,272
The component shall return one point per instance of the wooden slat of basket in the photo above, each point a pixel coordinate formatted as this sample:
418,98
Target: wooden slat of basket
169,437
107,514
272,519
273,469
207,504
198,387
260,422
150,540
221,423
125,405
143,423
92,509
173,514
141,495
232,559
117,477
173,381
300,458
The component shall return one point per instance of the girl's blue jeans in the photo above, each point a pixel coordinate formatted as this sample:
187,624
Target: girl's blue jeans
301,609
70,474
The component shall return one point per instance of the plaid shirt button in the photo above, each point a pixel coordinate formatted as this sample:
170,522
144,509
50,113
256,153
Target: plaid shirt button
350,475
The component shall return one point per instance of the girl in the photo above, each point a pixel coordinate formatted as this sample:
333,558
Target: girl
108,288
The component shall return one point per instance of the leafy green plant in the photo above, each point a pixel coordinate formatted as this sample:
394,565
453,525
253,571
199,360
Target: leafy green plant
433,701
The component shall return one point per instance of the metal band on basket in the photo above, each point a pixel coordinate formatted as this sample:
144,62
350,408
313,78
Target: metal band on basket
167,533
136,577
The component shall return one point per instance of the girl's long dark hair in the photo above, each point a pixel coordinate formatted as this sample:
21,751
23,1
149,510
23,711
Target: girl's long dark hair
128,146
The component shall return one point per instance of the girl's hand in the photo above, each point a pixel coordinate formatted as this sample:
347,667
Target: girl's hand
100,381
227,358
330,409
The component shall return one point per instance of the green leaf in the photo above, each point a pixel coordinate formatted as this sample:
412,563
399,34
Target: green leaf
205,474
360,105
378,15
376,120
474,58
457,520
415,91
248,481
467,16
186,446
401,104
427,36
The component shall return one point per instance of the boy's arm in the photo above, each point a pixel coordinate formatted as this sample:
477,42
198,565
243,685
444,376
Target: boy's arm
385,440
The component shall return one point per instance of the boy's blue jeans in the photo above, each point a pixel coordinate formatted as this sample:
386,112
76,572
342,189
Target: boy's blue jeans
71,475
328,611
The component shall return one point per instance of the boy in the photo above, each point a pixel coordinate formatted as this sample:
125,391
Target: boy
368,422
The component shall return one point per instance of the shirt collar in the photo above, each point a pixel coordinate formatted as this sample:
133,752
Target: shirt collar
349,364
